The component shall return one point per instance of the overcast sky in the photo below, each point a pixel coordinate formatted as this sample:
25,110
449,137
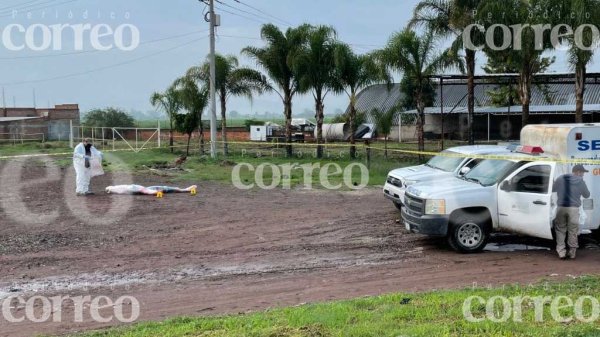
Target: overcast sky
126,79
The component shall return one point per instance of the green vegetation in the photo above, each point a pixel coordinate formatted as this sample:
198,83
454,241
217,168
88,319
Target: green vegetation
202,168
276,59
417,57
152,123
205,169
428,314
169,102
355,73
8,149
384,121
193,99
230,80
109,117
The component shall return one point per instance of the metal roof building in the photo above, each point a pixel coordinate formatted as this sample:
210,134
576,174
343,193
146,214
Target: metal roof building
559,88
552,101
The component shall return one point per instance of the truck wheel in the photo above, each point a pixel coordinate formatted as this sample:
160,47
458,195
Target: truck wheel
398,205
467,234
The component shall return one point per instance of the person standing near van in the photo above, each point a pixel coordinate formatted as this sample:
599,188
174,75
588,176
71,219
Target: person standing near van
569,188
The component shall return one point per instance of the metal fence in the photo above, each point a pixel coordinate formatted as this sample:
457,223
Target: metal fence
135,139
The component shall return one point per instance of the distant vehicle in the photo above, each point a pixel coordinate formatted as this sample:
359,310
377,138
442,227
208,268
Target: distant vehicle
453,162
512,195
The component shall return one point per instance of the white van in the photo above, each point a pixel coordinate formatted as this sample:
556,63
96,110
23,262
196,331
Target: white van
512,194
453,162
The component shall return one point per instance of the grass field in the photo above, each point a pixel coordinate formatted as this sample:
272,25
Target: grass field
438,313
202,168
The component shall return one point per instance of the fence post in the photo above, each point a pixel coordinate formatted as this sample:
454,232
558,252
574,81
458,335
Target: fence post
113,133
136,139
368,154
71,133
159,134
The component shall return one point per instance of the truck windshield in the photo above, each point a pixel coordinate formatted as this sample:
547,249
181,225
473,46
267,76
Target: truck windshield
446,163
489,171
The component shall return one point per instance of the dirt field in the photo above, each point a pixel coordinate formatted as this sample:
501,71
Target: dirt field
231,251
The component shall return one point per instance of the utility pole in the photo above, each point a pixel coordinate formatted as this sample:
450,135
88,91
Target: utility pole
213,100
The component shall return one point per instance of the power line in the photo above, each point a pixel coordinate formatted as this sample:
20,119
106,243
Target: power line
105,67
242,16
246,12
263,12
241,37
13,6
95,51
38,8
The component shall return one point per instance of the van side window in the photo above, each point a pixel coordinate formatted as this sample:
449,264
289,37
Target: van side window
534,179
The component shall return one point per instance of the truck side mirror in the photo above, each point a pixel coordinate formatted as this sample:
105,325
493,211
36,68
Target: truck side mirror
505,186
464,170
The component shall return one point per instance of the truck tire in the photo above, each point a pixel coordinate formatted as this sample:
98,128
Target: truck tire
468,233
398,205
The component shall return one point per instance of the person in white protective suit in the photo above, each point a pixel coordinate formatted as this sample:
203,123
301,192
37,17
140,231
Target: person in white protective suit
84,156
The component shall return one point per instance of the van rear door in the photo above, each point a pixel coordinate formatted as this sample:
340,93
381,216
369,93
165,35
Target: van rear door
525,200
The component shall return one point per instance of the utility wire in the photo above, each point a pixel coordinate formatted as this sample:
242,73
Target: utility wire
263,12
15,5
105,67
246,12
36,9
96,51
242,16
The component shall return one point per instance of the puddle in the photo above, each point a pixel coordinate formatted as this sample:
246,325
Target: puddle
499,247
87,281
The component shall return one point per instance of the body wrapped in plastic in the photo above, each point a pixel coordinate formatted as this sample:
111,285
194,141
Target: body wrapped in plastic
152,190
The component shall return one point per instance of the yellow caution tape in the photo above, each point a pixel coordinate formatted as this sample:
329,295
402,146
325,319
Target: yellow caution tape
583,161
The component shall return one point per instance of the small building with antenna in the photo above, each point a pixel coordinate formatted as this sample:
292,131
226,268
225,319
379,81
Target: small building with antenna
41,124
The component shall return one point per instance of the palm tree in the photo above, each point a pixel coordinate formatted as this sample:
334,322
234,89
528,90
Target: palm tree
355,73
170,103
230,80
314,63
583,12
276,59
528,58
384,121
449,19
417,58
193,99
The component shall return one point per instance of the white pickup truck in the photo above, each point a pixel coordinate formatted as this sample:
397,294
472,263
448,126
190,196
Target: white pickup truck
453,162
513,194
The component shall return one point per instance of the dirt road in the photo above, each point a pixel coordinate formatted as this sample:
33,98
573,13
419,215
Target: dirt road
231,251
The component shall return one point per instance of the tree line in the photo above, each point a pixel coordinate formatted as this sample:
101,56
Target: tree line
311,60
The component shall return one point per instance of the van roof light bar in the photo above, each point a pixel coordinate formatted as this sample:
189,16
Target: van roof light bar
527,149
